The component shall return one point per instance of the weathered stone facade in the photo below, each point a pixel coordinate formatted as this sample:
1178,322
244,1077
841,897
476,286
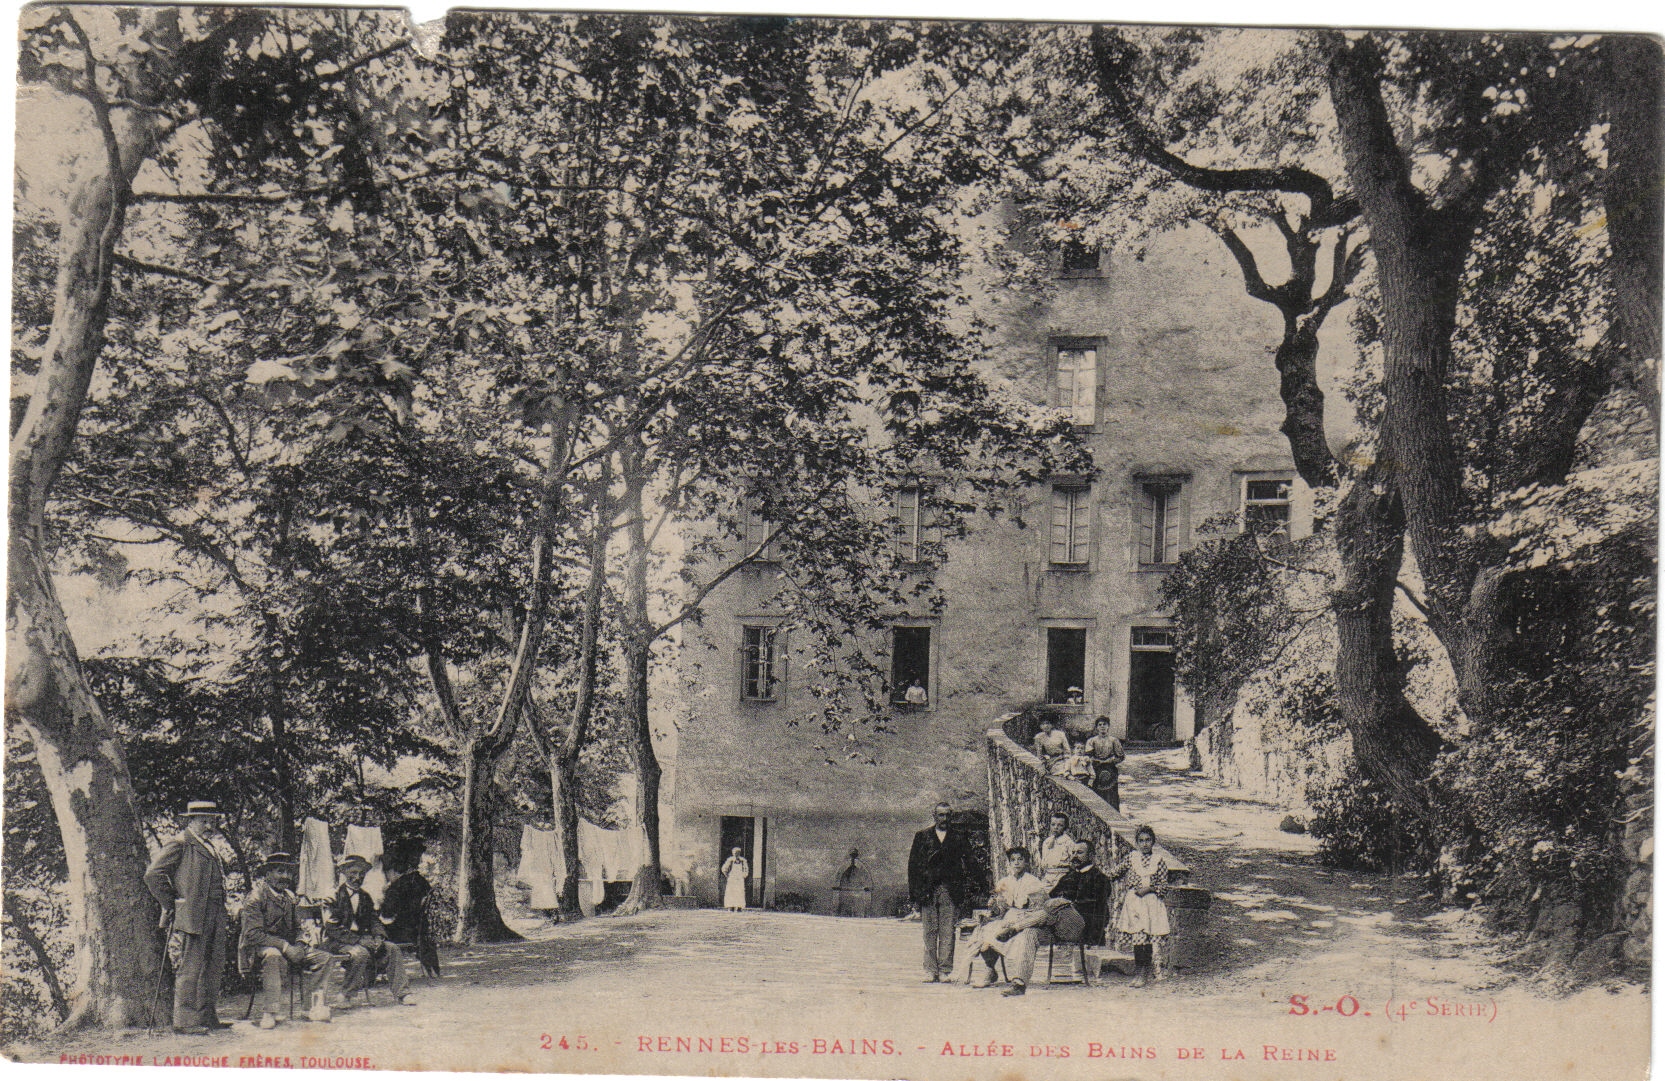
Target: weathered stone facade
1237,752
1186,403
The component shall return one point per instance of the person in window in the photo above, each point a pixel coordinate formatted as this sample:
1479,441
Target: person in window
1105,753
735,872
915,695
1142,925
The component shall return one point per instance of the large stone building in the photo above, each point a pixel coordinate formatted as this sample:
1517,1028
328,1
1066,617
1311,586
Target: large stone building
1167,366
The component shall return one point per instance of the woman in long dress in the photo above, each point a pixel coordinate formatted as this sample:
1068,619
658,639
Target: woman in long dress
1105,753
1142,925
735,872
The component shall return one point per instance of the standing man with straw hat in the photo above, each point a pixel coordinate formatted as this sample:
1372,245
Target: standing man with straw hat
188,881
271,942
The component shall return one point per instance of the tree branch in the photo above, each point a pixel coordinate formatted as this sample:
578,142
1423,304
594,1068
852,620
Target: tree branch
143,267
48,971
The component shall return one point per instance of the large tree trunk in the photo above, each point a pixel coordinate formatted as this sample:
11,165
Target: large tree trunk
478,917
1420,254
563,763
563,783
1630,91
1303,400
117,951
645,891
1393,745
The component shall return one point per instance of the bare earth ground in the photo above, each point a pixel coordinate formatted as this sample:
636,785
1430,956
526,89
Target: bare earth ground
1411,991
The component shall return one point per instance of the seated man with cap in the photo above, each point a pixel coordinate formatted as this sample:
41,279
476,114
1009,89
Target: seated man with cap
353,927
188,881
271,941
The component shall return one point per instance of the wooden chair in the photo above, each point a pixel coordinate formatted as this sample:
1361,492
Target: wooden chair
1068,929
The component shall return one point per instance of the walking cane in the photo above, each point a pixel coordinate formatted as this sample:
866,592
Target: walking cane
161,979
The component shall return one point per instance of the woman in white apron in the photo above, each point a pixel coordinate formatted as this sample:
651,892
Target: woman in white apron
735,872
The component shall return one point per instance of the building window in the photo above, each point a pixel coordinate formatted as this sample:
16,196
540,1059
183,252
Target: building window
910,525
1075,382
761,533
1079,260
1266,504
910,666
1066,666
761,665
1071,526
1161,520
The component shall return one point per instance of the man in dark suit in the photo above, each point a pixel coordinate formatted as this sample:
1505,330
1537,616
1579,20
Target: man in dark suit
188,881
1088,890
354,927
940,872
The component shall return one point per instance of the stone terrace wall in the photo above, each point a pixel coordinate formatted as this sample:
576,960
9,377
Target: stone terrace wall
1237,752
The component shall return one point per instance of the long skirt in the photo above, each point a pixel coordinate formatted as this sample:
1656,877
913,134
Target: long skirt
734,893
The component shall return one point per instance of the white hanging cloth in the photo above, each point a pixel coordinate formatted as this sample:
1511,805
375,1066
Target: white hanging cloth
539,855
366,841
317,874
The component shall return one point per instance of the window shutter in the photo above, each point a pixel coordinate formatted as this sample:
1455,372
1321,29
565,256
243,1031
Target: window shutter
1060,525
1147,522
1086,387
1082,525
1170,539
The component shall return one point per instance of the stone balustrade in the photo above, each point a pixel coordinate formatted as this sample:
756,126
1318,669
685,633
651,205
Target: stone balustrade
1022,799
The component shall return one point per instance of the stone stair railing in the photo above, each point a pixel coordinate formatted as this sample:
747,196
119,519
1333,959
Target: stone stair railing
1022,799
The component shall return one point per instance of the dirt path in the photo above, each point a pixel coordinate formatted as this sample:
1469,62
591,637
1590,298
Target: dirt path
1281,919
781,995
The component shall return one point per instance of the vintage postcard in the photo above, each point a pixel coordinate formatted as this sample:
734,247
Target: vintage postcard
771,546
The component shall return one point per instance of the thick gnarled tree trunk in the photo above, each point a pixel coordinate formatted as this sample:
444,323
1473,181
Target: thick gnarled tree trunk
117,951
1392,743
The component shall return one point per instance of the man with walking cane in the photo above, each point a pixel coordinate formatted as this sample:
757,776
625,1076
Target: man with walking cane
188,881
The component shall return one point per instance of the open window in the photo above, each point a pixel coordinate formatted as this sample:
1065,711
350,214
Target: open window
1162,520
1066,666
1079,260
910,666
1266,504
762,665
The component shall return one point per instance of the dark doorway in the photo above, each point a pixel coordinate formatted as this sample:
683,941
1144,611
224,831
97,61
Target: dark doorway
745,834
1150,686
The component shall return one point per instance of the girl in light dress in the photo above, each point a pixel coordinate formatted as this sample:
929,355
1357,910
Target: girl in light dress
735,872
1142,925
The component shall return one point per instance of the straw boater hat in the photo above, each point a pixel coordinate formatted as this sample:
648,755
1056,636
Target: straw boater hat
277,859
346,862
202,808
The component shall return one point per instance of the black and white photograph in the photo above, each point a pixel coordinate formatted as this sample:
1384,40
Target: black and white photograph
805,546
